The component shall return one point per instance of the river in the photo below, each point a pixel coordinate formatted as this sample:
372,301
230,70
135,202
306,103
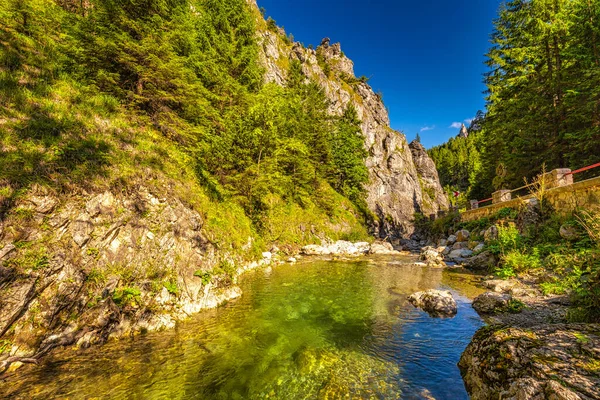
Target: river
313,330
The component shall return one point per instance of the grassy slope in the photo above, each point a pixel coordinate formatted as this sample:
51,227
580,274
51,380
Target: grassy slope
59,133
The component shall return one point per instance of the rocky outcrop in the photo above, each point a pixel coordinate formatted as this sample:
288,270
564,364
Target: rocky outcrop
82,269
542,362
434,198
396,189
437,303
464,133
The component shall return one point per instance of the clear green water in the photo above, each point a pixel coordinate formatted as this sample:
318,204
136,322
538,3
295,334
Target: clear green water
315,330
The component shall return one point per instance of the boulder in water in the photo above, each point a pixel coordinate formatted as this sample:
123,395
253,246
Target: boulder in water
437,303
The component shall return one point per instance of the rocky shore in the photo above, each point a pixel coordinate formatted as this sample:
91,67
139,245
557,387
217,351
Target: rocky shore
529,350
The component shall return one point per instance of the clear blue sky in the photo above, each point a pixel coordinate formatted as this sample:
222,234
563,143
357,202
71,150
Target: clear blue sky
425,56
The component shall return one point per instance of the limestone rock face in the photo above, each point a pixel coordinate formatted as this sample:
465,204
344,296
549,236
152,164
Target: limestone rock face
78,248
396,188
543,362
434,198
464,133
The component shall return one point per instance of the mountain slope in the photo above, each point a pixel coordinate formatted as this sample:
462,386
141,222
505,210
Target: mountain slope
394,191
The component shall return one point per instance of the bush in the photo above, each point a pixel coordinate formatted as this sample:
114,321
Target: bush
505,272
522,262
508,239
127,296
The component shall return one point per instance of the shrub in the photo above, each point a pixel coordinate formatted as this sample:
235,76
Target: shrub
521,262
171,286
206,276
505,272
127,296
509,239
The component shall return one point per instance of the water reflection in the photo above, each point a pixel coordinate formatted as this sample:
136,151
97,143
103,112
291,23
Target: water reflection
314,330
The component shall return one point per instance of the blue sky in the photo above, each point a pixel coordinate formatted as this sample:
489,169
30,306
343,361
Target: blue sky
425,56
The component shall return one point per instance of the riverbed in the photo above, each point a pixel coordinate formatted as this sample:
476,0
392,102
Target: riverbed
313,330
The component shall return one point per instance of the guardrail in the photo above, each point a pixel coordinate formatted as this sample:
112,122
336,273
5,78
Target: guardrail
553,179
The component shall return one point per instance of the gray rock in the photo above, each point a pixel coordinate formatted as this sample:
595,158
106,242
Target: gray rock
81,229
491,233
6,250
381,247
484,261
434,197
437,303
460,245
340,248
500,285
44,204
461,253
451,239
442,243
432,257
104,203
491,302
462,235
478,248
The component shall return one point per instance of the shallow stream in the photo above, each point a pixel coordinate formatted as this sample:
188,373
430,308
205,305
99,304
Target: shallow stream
314,330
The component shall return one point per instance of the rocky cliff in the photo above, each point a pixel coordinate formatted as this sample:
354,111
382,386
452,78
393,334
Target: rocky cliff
397,187
434,198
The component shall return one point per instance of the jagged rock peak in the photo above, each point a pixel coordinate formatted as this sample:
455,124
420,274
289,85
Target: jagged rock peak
464,133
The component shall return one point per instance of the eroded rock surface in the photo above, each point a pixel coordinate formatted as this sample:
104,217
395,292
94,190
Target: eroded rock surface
542,362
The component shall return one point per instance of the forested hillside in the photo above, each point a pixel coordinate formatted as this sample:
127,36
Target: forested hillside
543,95
459,161
185,71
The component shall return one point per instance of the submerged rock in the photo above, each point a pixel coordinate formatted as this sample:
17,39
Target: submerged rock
555,361
437,303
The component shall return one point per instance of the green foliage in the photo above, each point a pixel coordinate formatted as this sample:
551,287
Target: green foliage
205,276
509,239
515,306
522,262
458,162
127,296
171,286
543,86
505,272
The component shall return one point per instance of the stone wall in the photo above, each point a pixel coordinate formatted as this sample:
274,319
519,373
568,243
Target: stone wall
564,199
